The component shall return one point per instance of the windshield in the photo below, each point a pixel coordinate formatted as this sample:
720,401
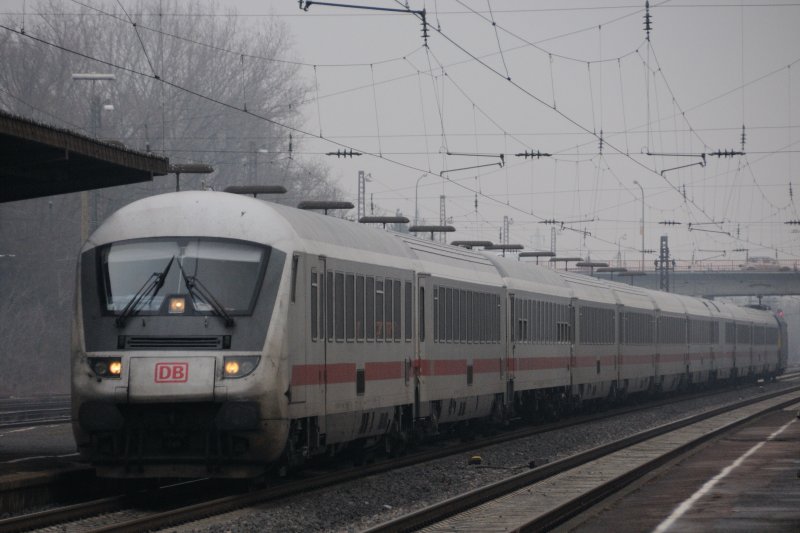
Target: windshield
231,271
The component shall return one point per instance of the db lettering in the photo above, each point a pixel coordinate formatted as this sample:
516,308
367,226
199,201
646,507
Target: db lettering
172,372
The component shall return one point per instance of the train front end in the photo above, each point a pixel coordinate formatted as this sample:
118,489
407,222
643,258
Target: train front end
178,348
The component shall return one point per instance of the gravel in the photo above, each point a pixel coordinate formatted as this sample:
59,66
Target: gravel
360,504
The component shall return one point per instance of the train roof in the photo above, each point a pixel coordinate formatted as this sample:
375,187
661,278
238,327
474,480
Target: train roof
529,277
233,216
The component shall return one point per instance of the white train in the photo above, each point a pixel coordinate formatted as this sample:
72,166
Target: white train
217,334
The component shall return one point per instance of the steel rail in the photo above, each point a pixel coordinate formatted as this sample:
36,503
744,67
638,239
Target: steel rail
62,515
469,500
225,504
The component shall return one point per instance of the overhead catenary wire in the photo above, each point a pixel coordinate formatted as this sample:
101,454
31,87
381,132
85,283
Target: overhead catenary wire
446,78
210,46
138,36
375,103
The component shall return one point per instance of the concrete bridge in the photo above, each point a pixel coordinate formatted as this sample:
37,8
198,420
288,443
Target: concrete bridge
716,283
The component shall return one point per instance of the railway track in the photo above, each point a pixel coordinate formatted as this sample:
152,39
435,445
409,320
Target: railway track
147,511
547,496
16,412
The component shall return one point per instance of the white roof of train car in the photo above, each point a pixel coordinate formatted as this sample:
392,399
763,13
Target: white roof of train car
225,215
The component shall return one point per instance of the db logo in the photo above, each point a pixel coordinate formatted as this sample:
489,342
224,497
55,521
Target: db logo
172,372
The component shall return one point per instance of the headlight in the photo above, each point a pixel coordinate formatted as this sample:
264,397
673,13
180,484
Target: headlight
239,366
177,305
106,367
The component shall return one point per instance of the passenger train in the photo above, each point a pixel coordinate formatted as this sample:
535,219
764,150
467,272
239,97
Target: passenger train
221,335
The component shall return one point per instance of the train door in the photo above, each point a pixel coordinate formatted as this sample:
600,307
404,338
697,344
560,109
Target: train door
316,353
574,320
657,370
511,335
618,352
424,338
300,328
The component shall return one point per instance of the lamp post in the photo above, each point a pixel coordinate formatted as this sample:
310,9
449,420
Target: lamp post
95,104
641,227
94,114
416,200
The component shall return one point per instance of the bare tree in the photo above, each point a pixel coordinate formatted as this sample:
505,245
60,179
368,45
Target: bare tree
189,85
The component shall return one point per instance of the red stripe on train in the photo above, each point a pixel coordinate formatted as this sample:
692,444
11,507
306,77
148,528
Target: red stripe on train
378,371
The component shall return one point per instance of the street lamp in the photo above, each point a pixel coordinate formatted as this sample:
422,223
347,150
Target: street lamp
94,114
416,200
641,228
95,109
619,248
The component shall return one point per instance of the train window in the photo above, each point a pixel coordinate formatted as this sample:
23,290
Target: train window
448,333
407,316
496,323
473,317
542,322
531,321
456,315
470,318
295,260
469,374
758,336
313,305
339,306
491,310
730,332
597,326
487,313
473,310
514,314
458,329
456,322
463,315
436,314
387,324
568,323
379,309
481,316
421,305
529,317
360,381
442,314
231,271
329,305
360,308
397,311
370,320
349,307
490,318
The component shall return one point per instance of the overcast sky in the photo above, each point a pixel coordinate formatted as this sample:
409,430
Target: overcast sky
506,77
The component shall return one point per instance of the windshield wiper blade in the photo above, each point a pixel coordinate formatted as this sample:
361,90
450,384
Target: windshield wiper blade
152,285
195,285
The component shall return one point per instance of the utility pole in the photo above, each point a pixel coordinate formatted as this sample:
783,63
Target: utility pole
442,216
507,222
641,227
362,193
663,265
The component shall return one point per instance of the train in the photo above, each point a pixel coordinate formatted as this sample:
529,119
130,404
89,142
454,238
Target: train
219,335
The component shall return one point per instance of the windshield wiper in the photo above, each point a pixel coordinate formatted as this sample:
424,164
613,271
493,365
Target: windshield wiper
194,285
151,287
